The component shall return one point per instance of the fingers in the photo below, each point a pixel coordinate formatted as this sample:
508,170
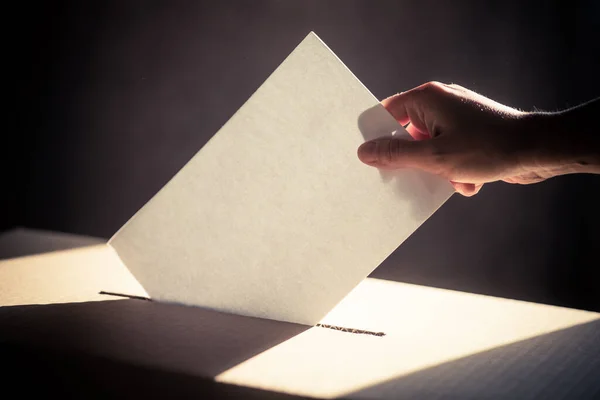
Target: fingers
421,109
397,105
467,189
391,153
416,133
410,106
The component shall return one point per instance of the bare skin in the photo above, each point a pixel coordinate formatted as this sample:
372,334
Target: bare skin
472,140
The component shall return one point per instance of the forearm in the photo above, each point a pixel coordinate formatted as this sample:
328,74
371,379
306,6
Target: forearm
565,142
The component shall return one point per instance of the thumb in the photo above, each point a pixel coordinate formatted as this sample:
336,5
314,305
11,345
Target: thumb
392,153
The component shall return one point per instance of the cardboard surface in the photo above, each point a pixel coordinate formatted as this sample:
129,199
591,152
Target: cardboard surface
425,328
437,344
435,341
81,376
276,217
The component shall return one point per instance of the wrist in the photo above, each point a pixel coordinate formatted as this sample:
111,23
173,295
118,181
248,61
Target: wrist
561,143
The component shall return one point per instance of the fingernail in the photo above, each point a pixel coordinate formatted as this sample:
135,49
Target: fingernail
367,152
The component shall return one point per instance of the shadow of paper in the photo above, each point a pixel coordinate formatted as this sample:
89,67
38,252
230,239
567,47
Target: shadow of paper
79,376
22,242
376,122
558,365
187,339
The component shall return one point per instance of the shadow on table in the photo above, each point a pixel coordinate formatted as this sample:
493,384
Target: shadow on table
172,337
79,376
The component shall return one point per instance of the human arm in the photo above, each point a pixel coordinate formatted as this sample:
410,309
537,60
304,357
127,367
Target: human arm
471,140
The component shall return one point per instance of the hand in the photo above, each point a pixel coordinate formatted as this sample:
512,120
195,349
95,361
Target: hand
464,137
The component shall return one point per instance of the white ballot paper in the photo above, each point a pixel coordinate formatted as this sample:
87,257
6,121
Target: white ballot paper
275,217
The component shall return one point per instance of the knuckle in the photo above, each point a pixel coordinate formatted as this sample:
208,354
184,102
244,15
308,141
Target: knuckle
438,154
455,86
394,150
384,152
435,89
440,159
434,86
388,151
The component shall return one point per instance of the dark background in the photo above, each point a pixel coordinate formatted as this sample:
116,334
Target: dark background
113,97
